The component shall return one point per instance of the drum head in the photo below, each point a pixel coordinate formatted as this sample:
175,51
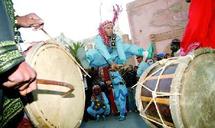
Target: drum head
49,108
198,91
192,93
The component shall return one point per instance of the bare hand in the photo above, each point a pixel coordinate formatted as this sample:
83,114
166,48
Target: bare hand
23,79
30,20
114,66
108,82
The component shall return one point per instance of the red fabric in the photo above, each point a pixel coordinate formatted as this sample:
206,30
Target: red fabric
25,123
112,103
110,91
200,29
106,73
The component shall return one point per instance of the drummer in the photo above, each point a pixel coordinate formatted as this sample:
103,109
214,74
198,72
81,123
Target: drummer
17,77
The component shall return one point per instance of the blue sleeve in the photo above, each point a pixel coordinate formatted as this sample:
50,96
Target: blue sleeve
120,49
100,46
141,68
105,98
92,103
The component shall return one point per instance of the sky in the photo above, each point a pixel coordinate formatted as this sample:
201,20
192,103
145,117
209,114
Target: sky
77,19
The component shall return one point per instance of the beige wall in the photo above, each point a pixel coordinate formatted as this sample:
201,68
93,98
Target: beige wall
163,18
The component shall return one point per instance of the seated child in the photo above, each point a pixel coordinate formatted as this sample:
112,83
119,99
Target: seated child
99,103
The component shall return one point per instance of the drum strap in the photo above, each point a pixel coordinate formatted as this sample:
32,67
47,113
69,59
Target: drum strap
58,83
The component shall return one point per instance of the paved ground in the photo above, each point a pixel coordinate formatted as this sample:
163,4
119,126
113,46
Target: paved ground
133,121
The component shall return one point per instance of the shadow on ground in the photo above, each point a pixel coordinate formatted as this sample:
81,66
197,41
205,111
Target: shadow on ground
133,120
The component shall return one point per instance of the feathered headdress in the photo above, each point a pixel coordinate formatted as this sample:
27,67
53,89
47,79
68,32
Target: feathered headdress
116,11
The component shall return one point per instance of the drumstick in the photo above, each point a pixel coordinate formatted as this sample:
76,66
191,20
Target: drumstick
72,57
59,83
46,33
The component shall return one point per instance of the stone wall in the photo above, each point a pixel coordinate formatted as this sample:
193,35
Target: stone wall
165,19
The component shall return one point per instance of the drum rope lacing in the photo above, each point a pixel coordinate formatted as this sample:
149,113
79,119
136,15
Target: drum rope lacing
156,94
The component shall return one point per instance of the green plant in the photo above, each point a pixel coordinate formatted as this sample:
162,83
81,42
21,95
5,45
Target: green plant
74,48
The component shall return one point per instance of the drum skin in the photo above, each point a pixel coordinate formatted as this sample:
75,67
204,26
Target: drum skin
183,91
48,108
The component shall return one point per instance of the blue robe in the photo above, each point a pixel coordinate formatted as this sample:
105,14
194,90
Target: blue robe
120,91
104,55
141,68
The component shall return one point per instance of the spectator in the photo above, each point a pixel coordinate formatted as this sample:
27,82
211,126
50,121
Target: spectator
142,66
175,47
99,104
130,80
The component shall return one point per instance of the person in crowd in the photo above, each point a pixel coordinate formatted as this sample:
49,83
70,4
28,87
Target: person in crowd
142,66
175,47
17,78
160,56
99,104
130,79
93,72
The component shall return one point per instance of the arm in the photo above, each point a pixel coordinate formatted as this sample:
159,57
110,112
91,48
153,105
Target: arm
106,102
9,54
141,68
103,49
14,72
92,102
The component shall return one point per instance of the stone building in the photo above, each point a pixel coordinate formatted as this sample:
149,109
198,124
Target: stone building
163,19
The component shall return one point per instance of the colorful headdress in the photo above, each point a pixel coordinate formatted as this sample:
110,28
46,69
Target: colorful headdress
116,11
96,88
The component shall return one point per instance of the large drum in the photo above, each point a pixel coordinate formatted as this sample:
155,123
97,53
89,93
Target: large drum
179,92
57,73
